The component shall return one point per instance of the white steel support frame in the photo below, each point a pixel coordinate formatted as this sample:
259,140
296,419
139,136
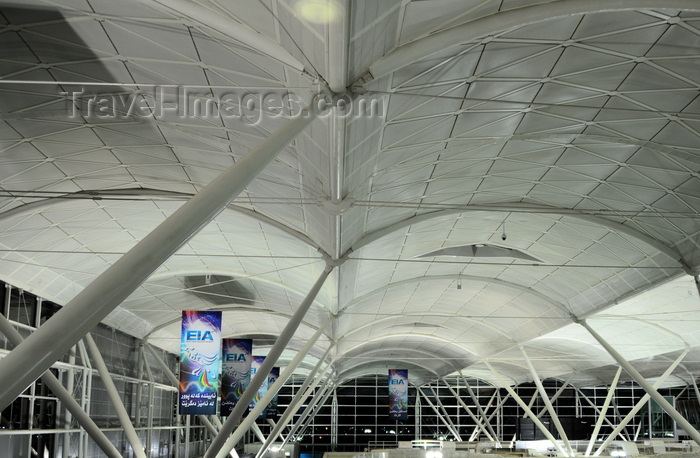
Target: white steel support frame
555,397
597,410
151,399
547,402
70,384
257,432
479,423
139,388
419,418
527,410
307,387
85,392
695,387
444,411
489,428
319,399
495,413
439,415
651,390
65,397
175,382
334,421
603,411
53,339
222,442
131,434
638,406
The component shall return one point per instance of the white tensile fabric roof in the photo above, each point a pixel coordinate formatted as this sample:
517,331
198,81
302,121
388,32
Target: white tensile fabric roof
572,128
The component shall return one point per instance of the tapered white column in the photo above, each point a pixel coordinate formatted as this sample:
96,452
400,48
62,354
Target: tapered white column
176,383
479,408
439,415
113,394
65,397
53,339
638,406
455,430
264,370
603,411
651,391
319,400
527,410
547,402
470,413
271,391
307,387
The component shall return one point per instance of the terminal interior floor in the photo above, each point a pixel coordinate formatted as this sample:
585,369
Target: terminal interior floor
500,197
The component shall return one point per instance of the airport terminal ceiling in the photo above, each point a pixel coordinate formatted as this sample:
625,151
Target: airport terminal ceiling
482,175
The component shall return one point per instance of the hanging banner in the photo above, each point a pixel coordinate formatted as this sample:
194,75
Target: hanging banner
237,355
200,350
398,394
272,406
254,366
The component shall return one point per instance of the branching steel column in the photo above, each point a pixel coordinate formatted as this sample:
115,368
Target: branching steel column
638,406
603,411
263,371
113,394
554,398
437,412
447,416
65,397
527,410
547,402
479,408
478,422
319,399
419,417
151,396
53,339
304,391
176,383
257,432
668,408
273,390
597,410
495,412
695,386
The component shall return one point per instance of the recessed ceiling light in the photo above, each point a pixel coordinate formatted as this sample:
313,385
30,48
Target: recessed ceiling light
318,11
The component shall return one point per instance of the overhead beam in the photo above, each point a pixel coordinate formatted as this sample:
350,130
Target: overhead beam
53,339
337,48
503,21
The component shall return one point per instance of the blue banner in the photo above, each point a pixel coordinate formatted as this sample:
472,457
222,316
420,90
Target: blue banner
272,406
255,365
398,394
237,355
200,349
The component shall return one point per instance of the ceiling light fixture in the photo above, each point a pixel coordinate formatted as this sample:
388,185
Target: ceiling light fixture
318,11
